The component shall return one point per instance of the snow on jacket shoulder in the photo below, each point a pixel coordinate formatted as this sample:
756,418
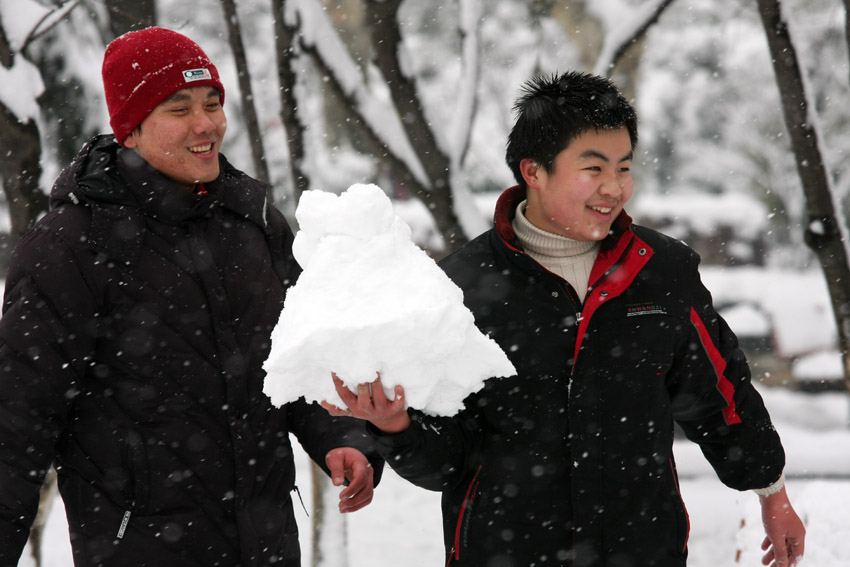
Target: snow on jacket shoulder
570,461
136,322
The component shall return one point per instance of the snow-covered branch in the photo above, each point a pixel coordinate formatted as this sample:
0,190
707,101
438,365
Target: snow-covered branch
467,101
621,32
319,37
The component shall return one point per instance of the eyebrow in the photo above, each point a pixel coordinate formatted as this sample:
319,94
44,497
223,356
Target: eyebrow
593,154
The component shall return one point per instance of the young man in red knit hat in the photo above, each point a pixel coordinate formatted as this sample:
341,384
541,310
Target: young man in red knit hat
137,317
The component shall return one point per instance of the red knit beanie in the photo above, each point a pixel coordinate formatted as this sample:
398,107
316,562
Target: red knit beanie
143,68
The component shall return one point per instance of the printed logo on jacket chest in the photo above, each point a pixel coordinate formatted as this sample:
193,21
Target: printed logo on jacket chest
647,308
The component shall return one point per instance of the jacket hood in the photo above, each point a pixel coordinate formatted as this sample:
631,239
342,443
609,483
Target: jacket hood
106,172
506,211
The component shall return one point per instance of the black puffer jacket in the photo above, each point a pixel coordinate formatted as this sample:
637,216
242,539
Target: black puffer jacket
570,462
137,320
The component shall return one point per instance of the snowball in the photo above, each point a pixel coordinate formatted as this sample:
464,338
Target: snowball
369,301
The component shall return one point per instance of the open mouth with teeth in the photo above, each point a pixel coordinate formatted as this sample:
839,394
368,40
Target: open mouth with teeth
201,149
603,210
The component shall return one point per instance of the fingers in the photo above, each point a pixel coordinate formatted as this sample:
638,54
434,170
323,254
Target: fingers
787,554
768,558
349,463
335,411
379,397
371,403
342,390
336,462
360,490
795,550
364,396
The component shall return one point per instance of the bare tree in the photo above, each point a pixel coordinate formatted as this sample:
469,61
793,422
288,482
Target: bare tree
824,230
386,45
608,47
249,111
20,154
616,46
847,23
402,136
285,36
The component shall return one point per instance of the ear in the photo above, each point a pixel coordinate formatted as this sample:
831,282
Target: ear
130,140
531,171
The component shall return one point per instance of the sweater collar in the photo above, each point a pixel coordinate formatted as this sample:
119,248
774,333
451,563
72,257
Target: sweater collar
540,242
510,199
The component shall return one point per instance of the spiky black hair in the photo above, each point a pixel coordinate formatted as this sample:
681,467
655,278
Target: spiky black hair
553,110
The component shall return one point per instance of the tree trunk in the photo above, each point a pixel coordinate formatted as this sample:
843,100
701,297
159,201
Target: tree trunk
584,29
20,169
330,531
847,23
20,163
623,61
129,16
285,49
823,233
249,111
386,42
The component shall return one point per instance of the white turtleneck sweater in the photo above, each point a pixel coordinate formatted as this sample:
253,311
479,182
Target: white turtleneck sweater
570,259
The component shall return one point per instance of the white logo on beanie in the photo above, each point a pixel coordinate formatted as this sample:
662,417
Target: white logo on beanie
192,75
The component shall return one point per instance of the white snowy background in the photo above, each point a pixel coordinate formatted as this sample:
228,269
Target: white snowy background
709,71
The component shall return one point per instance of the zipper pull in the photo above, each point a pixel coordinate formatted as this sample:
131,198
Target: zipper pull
124,521
298,492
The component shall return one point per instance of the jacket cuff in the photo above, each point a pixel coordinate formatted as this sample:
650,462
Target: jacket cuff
393,440
773,488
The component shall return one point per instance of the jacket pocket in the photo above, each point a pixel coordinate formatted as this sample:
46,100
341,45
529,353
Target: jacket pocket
683,522
137,488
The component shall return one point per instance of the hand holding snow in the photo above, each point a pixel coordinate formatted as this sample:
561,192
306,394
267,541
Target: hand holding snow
370,301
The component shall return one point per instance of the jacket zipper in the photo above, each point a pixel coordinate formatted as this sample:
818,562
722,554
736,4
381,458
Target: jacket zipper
455,554
134,462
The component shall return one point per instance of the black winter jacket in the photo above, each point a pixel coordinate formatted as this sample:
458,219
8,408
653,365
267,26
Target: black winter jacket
137,319
570,462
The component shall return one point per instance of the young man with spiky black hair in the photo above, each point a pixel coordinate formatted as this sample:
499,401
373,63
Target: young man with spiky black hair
614,338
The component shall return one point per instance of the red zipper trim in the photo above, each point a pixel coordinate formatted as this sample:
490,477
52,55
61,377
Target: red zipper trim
466,501
613,272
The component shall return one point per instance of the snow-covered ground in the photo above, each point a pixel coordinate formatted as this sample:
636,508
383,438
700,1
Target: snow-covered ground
402,525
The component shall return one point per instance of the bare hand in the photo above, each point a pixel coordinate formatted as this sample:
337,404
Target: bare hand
347,463
370,403
786,534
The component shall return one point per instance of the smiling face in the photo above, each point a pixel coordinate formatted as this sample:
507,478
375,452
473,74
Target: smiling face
181,137
588,186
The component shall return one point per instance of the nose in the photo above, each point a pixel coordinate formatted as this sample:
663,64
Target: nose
611,187
202,123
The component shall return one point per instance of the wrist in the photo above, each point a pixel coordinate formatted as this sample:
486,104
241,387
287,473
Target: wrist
774,488
395,424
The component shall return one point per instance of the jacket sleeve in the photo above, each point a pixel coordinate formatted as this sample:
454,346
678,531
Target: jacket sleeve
715,402
318,433
46,334
434,453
